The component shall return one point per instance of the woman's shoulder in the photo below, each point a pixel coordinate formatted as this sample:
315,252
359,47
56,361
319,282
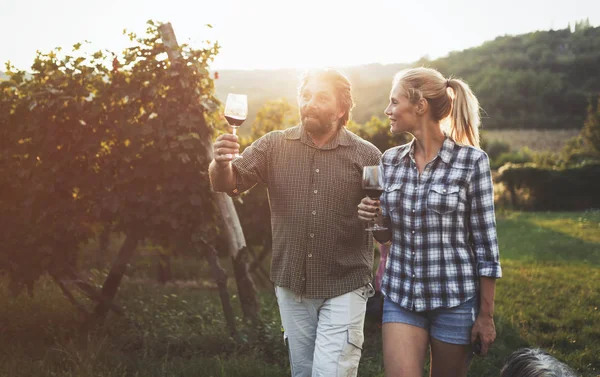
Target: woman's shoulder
396,153
468,154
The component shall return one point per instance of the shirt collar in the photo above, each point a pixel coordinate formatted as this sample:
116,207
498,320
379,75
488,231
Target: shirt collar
447,148
445,153
342,137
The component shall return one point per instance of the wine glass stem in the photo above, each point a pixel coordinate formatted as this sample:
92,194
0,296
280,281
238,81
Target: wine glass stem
234,130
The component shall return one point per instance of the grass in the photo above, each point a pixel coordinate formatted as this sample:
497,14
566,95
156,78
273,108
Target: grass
550,237
548,298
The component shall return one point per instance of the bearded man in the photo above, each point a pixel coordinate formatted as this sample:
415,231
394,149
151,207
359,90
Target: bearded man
322,256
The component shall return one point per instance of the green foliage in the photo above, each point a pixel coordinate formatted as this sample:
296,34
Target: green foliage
591,128
85,146
377,131
535,80
274,115
518,157
494,148
535,188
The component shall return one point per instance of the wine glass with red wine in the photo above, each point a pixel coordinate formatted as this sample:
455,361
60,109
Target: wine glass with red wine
236,111
372,183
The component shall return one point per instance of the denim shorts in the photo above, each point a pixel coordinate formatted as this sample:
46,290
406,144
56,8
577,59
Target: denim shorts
449,325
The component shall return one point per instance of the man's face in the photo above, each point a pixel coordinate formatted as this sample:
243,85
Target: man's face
318,107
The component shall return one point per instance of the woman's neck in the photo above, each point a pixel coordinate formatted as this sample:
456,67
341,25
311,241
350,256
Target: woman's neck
429,141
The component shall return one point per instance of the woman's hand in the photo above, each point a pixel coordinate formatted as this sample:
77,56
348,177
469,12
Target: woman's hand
484,330
369,209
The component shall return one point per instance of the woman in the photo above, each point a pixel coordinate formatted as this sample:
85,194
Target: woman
439,281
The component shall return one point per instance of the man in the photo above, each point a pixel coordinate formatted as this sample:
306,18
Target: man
322,256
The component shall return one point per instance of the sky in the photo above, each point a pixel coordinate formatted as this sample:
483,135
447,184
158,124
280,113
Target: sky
270,34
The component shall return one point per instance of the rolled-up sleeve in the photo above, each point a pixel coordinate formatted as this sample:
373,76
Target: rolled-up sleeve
483,220
253,166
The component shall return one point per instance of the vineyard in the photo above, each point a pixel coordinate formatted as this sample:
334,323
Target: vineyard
117,259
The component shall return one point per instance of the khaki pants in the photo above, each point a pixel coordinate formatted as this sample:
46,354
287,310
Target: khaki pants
325,337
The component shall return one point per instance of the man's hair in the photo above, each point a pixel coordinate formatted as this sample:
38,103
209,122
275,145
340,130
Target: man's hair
533,362
341,85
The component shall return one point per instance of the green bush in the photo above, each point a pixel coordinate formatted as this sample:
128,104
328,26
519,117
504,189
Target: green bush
495,148
537,188
520,157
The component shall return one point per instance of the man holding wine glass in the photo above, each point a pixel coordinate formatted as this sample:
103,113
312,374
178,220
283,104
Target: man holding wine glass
322,256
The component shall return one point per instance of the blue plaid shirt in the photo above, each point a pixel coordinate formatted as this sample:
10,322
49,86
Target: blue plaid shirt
443,226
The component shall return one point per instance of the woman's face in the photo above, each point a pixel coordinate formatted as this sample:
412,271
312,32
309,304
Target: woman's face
402,113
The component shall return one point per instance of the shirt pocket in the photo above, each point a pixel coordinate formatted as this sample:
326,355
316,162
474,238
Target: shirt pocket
443,198
393,197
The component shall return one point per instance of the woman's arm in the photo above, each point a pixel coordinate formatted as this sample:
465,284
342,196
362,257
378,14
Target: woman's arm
485,243
484,329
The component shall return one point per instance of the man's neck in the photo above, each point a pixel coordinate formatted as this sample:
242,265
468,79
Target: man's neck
322,139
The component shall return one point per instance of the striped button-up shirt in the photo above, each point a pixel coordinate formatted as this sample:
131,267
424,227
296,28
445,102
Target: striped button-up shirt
320,247
443,226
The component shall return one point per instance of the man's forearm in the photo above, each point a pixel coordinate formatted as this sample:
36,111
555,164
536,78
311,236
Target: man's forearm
222,179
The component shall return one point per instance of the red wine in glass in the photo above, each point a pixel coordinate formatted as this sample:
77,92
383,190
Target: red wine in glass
234,122
372,184
236,111
373,193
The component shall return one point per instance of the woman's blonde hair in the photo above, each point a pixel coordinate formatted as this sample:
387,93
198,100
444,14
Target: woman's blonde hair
461,106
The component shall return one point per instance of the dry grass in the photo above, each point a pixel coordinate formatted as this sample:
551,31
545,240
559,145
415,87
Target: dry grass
536,140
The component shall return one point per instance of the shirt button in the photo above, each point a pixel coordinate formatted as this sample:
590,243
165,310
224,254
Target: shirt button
416,188
310,255
316,191
303,278
317,170
414,275
312,235
444,190
414,210
314,212
413,232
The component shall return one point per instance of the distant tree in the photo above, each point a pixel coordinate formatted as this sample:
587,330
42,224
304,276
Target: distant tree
274,115
377,131
591,127
582,25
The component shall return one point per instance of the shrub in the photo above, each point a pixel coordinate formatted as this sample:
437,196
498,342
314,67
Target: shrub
536,188
520,157
495,148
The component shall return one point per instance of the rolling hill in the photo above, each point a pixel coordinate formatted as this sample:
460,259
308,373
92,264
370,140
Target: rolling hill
539,80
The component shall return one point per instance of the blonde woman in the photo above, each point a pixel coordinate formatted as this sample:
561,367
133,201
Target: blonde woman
439,280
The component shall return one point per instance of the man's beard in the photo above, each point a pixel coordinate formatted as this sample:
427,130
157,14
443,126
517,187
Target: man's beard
316,122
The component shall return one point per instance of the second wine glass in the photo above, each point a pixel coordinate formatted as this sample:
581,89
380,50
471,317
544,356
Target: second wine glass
372,183
236,111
